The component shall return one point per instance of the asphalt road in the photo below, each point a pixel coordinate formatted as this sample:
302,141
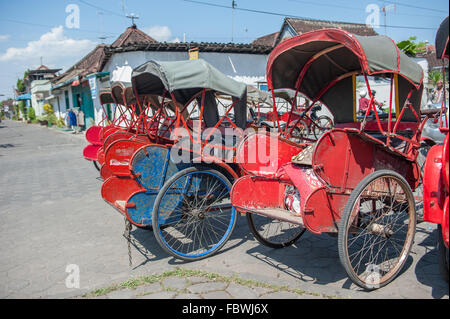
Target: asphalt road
52,219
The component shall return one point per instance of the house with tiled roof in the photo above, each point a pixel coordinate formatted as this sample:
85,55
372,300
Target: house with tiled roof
295,26
77,87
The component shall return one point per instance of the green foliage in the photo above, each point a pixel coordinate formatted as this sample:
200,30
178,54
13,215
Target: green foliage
52,120
20,85
435,76
22,110
410,47
60,123
31,115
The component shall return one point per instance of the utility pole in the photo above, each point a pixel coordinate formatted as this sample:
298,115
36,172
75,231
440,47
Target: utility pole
233,6
385,9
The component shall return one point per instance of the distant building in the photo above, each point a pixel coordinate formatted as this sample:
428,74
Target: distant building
78,86
294,26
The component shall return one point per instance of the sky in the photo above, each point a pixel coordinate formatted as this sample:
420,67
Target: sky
49,29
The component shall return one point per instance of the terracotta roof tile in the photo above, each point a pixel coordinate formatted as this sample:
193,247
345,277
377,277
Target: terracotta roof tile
132,36
306,25
267,40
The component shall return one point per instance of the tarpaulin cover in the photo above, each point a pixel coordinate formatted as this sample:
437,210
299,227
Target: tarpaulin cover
184,79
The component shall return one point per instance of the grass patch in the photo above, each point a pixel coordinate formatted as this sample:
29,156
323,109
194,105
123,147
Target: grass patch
186,273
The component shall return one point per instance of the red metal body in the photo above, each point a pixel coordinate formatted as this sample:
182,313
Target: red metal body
436,172
435,188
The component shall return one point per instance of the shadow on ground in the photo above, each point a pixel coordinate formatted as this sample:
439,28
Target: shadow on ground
427,268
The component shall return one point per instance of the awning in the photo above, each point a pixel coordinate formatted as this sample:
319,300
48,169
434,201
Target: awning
24,97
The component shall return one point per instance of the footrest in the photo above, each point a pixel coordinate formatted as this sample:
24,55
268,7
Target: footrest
278,214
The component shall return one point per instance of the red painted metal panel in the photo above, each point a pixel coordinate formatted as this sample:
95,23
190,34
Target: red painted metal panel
445,157
101,156
263,154
93,135
253,193
342,158
105,172
119,189
118,156
90,152
433,192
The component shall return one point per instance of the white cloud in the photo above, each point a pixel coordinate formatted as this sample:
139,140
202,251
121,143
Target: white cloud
4,37
53,46
160,33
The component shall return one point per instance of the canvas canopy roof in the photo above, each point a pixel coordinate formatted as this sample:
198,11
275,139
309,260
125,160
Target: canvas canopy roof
184,79
321,65
442,40
122,93
106,97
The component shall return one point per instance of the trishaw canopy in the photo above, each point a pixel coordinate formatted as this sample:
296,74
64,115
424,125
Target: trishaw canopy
442,40
186,79
122,92
106,97
322,65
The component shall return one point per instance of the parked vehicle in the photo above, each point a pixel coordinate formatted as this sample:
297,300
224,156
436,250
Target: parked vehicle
357,180
436,171
186,201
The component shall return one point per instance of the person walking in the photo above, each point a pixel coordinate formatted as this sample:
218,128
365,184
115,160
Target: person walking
72,120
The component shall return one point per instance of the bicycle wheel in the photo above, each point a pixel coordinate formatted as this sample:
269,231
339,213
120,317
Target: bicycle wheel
192,216
274,233
323,124
377,229
299,133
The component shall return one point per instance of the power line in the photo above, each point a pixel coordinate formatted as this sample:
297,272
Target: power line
294,16
415,7
319,4
105,10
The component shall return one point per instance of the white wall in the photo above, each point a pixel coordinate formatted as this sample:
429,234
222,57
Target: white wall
247,68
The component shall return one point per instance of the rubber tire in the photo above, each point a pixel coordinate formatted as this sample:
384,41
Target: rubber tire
96,164
158,199
443,257
264,241
342,234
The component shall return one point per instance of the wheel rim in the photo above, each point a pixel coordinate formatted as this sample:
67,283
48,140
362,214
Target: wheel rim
377,243
275,232
323,124
195,216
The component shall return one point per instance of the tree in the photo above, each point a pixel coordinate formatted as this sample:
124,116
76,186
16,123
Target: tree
410,47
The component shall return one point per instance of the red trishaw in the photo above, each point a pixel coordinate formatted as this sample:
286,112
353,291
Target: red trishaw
356,181
436,171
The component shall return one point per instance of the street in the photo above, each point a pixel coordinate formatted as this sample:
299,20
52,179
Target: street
52,217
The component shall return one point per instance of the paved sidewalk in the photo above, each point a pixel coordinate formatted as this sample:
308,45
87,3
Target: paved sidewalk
52,218
194,284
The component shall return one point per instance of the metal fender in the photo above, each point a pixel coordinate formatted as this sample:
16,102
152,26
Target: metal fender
433,186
